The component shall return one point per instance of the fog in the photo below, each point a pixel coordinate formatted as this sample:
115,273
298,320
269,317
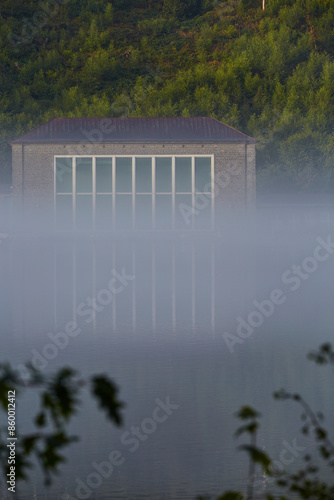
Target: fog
212,319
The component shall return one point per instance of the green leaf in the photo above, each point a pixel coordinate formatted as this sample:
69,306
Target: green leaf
281,394
106,392
28,443
321,434
257,456
250,429
64,392
40,419
8,382
324,452
231,495
247,412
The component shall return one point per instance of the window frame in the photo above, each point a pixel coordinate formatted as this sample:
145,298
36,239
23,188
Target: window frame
153,192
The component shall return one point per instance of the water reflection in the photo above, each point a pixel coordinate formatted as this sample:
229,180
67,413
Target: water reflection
151,311
125,283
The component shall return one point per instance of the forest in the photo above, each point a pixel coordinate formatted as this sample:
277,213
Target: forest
268,73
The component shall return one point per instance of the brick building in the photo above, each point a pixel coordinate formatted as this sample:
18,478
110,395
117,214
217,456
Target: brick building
133,173
130,173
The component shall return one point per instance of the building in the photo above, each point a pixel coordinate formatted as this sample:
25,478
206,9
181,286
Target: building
133,173
116,174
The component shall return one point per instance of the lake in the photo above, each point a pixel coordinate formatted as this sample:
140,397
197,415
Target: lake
190,327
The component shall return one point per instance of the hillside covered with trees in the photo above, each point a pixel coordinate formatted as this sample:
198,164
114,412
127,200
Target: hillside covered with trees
268,73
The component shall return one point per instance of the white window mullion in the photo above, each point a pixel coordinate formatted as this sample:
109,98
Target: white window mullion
94,190
114,302
212,192
153,192
133,193
173,192
94,291
213,285
55,193
193,191
113,181
173,289
134,322
74,171
153,288
74,280
193,288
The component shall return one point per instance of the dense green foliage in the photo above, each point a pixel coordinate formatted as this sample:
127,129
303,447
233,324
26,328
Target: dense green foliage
268,73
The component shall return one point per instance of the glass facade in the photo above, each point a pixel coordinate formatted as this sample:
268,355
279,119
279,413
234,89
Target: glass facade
134,192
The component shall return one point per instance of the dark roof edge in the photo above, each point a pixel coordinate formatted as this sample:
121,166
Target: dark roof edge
229,141
249,138
29,132
21,139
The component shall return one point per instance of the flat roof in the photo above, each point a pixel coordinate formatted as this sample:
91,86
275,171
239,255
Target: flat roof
141,130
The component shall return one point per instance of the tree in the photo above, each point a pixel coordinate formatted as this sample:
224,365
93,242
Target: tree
183,8
306,482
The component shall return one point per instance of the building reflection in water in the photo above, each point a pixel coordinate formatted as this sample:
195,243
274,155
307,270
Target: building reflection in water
145,282
122,284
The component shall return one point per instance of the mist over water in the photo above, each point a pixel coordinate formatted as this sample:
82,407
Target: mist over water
211,320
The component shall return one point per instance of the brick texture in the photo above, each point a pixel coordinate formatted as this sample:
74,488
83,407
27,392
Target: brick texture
33,169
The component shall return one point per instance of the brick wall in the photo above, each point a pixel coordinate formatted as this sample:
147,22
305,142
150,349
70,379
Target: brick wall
36,178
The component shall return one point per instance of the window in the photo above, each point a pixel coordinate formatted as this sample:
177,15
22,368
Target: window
144,197
64,175
203,175
163,175
183,175
123,175
143,175
84,193
64,190
104,194
104,175
134,192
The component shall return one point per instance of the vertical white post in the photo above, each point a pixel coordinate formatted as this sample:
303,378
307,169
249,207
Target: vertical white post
173,288
213,285
173,192
55,194
55,274
133,193
193,287
74,280
94,189
212,193
113,180
74,189
134,287
114,303
153,192
153,287
193,191
94,277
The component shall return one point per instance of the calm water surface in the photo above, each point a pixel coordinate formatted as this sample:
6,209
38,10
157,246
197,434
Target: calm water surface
162,338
